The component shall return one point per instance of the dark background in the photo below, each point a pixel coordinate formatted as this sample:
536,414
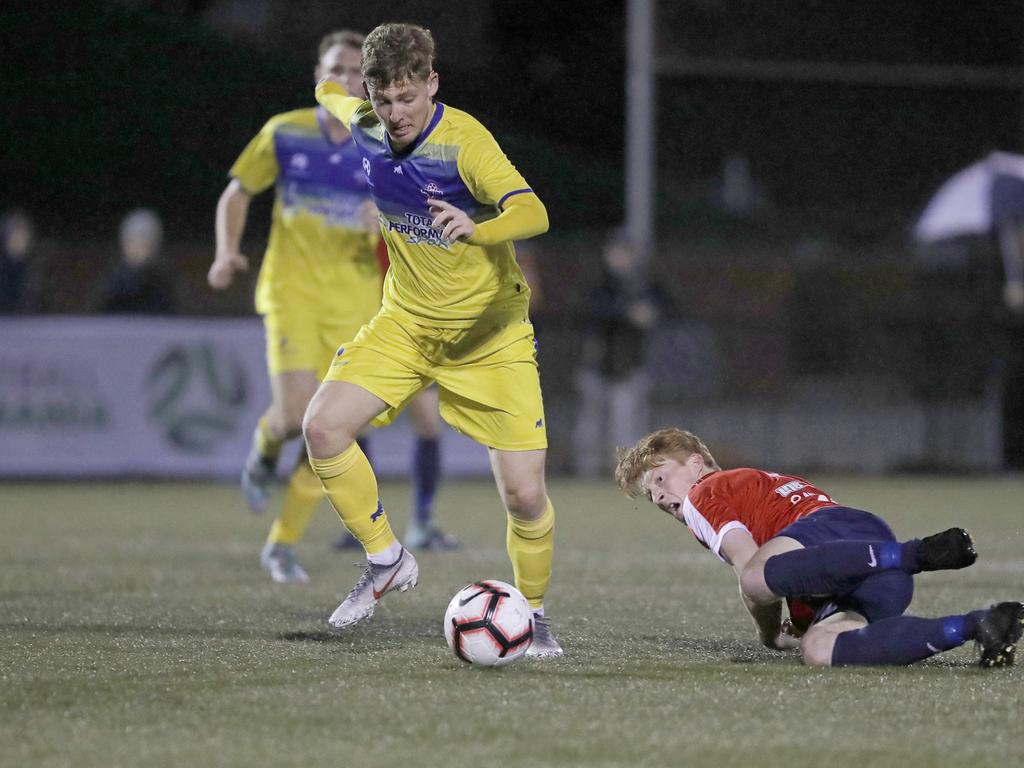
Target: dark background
108,106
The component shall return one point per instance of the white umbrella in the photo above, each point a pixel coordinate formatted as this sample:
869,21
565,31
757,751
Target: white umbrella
982,199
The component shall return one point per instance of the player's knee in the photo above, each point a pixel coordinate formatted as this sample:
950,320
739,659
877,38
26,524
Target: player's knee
526,502
753,586
426,422
318,434
885,594
816,647
427,430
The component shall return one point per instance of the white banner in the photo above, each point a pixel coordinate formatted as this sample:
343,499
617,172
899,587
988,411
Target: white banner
169,397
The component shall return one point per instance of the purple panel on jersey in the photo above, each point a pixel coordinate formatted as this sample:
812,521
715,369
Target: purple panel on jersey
310,159
321,177
402,184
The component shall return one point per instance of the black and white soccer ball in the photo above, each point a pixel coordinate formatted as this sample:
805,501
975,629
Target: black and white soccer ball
488,623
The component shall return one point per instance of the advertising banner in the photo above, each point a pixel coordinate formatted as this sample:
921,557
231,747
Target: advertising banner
162,397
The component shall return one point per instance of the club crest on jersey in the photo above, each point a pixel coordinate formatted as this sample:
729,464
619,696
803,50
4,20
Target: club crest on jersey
432,190
366,166
299,161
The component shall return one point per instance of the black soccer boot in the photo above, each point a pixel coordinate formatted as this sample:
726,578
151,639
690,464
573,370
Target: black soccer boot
998,633
946,551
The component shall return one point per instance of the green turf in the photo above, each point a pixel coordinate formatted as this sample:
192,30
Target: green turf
137,629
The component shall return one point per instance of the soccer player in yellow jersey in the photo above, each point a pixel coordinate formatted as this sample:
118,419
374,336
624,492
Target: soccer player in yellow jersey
320,281
454,311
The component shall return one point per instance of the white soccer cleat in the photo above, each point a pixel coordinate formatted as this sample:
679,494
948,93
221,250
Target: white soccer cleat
544,645
376,581
280,562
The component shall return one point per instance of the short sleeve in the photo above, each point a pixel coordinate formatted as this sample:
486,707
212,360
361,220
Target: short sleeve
709,517
256,168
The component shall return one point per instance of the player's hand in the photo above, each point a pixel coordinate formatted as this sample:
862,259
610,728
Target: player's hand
369,216
455,223
788,637
223,269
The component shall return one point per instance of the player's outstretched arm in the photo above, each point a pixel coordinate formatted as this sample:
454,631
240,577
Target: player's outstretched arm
768,620
738,547
232,213
523,216
336,100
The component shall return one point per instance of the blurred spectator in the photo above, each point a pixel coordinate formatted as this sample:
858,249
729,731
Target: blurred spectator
139,283
612,381
20,278
1013,347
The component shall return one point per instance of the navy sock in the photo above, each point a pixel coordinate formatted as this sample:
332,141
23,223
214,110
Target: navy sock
903,640
364,446
836,567
426,469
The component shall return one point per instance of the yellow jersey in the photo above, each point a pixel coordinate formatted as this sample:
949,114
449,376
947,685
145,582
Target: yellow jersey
319,259
432,281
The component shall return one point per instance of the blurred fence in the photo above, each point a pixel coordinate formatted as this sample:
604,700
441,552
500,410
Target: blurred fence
846,358
854,359
842,358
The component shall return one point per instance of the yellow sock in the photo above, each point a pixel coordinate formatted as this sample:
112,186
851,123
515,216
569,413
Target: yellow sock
300,502
267,445
351,486
531,546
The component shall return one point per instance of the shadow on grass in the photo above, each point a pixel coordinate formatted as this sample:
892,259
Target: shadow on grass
151,630
316,636
713,649
369,637
375,631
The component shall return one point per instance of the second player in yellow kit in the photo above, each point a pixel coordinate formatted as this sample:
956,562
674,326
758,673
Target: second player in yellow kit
320,279
455,311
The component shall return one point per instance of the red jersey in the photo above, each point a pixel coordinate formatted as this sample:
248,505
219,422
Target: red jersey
758,502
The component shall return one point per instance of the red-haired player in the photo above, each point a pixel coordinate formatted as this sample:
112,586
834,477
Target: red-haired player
787,539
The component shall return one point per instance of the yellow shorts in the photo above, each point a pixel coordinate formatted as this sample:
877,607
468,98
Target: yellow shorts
487,376
304,342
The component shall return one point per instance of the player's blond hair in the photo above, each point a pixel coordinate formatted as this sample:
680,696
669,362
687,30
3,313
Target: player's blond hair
346,37
397,53
652,451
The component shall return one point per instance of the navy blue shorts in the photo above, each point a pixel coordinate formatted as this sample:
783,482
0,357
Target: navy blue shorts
838,524
879,596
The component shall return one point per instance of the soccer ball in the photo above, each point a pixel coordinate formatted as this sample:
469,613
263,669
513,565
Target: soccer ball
488,623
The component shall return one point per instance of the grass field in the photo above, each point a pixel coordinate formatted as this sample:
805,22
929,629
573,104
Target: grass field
137,629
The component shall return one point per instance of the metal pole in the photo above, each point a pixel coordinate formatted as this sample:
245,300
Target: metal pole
640,130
